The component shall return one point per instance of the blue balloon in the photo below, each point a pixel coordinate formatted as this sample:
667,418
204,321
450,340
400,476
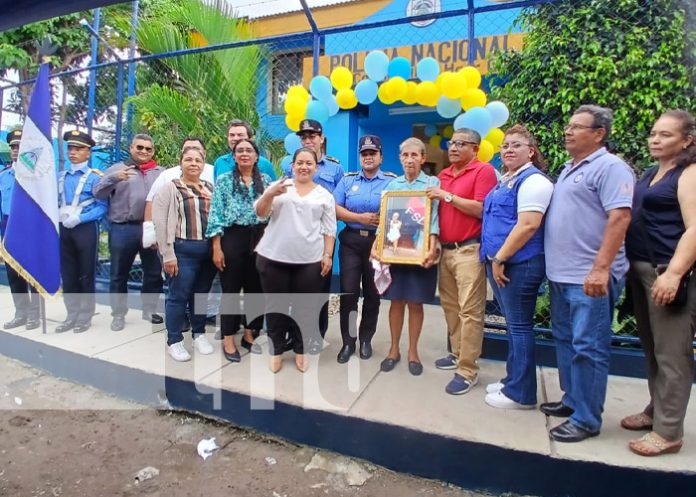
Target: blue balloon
320,87
318,111
292,143
430,130
376,65
366,91
499,113
286,165
428,69
448,108
332,105
444,144
400,67
476,118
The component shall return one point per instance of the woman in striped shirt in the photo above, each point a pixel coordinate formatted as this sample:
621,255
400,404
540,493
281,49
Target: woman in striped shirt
180,214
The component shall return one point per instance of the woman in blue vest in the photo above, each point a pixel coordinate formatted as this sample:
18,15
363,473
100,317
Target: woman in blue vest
661,247
512,246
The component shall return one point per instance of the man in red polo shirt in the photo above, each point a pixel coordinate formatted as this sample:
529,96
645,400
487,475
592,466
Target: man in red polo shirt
463,186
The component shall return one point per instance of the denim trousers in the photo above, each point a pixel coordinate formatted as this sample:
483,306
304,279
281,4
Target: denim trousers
125,242
517,300
581,326
196,273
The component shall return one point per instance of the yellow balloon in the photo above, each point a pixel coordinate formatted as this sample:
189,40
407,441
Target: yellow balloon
472,76
486,151
341,78
453,85
435,141
473,97
300,92
346,98
397,87
292,122
427,94
448,131
440,78
295,106
495,137
410,97
384,95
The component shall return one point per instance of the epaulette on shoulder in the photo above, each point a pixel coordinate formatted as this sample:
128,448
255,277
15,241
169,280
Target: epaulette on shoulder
390,174
332,159
98,172
352,173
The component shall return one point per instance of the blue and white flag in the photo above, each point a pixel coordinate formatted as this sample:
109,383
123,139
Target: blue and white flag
31,244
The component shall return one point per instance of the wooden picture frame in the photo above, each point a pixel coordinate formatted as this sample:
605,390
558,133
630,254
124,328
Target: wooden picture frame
404,227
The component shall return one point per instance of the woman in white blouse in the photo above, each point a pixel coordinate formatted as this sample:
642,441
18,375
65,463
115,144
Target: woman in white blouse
295,254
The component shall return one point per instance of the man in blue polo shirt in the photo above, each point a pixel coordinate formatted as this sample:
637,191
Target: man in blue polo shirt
240,130
585,263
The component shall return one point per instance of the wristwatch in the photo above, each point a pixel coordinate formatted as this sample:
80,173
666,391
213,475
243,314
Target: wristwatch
448,198
495,260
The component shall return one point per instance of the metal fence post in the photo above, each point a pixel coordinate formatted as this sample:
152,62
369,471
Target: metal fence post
2,101
471,54
91,98
119,112
131,67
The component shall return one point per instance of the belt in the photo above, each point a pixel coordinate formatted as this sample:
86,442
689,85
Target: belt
455,245
363,233
127,222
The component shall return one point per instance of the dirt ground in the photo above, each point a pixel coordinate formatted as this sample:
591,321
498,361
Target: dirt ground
62,439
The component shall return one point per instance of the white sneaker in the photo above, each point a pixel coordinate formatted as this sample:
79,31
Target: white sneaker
179,352
502,401
494,387
202,344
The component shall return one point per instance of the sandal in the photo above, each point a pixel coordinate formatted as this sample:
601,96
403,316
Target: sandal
637,422
651,444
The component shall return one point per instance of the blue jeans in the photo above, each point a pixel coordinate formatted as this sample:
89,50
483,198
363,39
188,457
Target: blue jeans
581,326
196,273
517,300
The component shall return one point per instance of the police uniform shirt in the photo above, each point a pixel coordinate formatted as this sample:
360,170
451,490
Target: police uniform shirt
7,180
329,173
95,210
360,194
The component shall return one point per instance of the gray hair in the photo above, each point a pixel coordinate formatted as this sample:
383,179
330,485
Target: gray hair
412,142
144,137
471,134
602,117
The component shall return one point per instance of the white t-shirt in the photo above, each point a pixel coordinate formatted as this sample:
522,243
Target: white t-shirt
297,225
167,175
534,194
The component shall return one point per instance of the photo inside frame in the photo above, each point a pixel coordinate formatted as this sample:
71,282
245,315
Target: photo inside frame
404,235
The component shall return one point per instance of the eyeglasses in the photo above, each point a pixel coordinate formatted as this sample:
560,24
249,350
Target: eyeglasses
140,148
244,151
578,127
513,146
459,143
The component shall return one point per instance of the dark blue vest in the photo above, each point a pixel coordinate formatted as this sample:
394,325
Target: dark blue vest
500,216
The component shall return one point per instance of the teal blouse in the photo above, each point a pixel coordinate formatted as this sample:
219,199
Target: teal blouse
229,207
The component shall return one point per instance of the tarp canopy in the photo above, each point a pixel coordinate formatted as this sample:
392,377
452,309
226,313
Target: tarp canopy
14,13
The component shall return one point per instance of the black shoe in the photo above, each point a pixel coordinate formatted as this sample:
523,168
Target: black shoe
415,368
153,317
345,353
388,364
365,350
32,324
65,326
81,327
118,323
15,323
558,409
250,346
568,432
233,357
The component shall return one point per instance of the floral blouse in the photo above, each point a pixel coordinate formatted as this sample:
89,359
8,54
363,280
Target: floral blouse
230,207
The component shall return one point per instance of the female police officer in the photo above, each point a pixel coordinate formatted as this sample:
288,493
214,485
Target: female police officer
357,198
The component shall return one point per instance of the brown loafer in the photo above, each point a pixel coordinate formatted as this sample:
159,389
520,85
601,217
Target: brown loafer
637,422
651,444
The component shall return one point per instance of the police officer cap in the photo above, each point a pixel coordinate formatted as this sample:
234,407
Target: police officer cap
14,136
310,125
78,138
370,142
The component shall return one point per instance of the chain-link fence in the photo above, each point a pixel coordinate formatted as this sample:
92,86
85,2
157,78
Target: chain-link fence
635,56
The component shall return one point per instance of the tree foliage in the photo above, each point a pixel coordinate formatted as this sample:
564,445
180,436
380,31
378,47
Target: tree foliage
634,56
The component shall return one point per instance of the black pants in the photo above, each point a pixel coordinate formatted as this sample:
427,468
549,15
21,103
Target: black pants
78,265
24,296
279,281
356,268
238,244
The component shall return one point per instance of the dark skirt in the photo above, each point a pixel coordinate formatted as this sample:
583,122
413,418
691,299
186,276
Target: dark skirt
412,283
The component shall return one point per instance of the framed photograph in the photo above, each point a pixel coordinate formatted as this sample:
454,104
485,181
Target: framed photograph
404,227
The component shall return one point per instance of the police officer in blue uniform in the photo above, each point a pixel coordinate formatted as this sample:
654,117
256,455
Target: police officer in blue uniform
80,213
358,198
26,299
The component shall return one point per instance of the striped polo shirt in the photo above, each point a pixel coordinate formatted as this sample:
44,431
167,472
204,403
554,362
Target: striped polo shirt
194,206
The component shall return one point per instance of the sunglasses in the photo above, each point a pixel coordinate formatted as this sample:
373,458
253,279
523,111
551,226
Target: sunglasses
140,148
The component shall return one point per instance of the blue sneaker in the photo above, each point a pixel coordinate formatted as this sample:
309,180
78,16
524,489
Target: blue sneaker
449,362
460,385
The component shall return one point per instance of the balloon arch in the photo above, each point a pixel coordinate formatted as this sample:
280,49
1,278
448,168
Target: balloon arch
452,94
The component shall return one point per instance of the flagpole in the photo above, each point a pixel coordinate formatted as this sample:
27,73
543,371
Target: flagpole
42,311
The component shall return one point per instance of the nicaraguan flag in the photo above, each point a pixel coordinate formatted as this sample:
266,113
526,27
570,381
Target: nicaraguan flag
31,244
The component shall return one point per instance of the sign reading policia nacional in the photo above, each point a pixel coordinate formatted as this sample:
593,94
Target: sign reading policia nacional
452,55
